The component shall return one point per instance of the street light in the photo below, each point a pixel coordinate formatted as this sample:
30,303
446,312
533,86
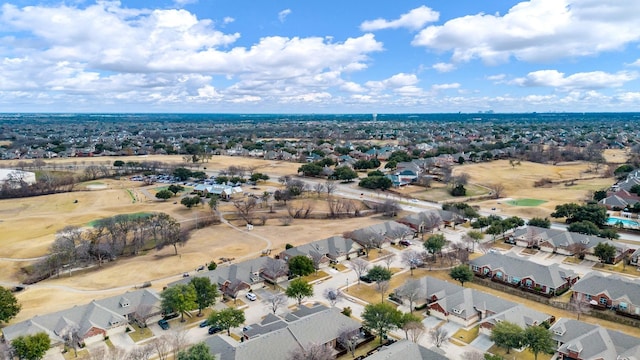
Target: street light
347,288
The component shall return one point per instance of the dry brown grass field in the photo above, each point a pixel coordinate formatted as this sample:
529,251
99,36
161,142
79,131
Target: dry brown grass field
518,182
29,226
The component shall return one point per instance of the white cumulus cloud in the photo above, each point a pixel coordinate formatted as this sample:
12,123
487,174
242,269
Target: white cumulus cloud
413,20
537,30
585,80
444,67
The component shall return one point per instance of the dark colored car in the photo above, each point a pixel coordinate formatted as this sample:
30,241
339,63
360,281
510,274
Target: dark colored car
204,323
214,329
405,242
366,279
164,324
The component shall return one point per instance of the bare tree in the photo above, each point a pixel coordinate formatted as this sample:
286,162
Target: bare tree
312,352
411,291
382,287
388,259
430,221
413,259
245,209
439,335
316,258
330,187
579,306
71,336
318,188
497,190
578,249
276,301
144,352
414,330
333,295
360,267
460,179
348,338
178,340
286,220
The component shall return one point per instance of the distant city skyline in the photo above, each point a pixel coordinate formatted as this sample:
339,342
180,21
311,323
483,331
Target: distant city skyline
295,57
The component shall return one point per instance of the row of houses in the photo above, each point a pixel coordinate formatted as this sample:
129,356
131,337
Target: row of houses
517,271
577,340
465,306
93,322
298,330
564,242
619,196
236,279
599,290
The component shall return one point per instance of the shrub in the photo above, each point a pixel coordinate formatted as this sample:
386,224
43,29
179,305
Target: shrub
212,265
347,311
288,246
542,182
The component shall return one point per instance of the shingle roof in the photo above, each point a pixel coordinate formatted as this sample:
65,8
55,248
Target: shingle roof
594,341
318,328
239,272
514,265
616,287
405,350
102,314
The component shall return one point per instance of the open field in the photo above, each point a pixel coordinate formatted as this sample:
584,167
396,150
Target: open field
519,182
32,222
214,164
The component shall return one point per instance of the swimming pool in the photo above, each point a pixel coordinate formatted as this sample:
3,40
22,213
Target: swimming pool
627,223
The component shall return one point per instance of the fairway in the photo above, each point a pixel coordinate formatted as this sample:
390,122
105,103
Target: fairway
525,202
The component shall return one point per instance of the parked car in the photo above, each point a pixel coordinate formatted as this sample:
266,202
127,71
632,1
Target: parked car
164,324
366,279
214,329
185,275
251,296
405,242
204,323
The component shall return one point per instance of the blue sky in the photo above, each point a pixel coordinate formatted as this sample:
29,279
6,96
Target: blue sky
319,56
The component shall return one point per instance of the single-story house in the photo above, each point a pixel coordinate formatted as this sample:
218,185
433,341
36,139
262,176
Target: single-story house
300,332
519,315
582,341
334,249
610,291
93,321
452,302
236,279
380,234
563,242
518,271
405,350
423,221
225,192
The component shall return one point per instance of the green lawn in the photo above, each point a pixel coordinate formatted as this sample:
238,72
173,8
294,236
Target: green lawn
130,216
140,333
525,202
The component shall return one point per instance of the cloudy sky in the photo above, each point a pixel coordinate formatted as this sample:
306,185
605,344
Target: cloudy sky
330,56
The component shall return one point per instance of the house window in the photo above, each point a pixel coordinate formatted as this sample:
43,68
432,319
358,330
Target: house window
485,270
516,280
499,274
528,282
475,268
622,306
603,301
588,297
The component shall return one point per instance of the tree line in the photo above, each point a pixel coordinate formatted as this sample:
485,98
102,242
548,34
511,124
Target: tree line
108,239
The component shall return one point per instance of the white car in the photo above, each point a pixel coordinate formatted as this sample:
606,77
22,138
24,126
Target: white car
251,296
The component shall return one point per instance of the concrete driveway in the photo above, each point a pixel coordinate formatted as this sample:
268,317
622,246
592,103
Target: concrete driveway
482,342
122,341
